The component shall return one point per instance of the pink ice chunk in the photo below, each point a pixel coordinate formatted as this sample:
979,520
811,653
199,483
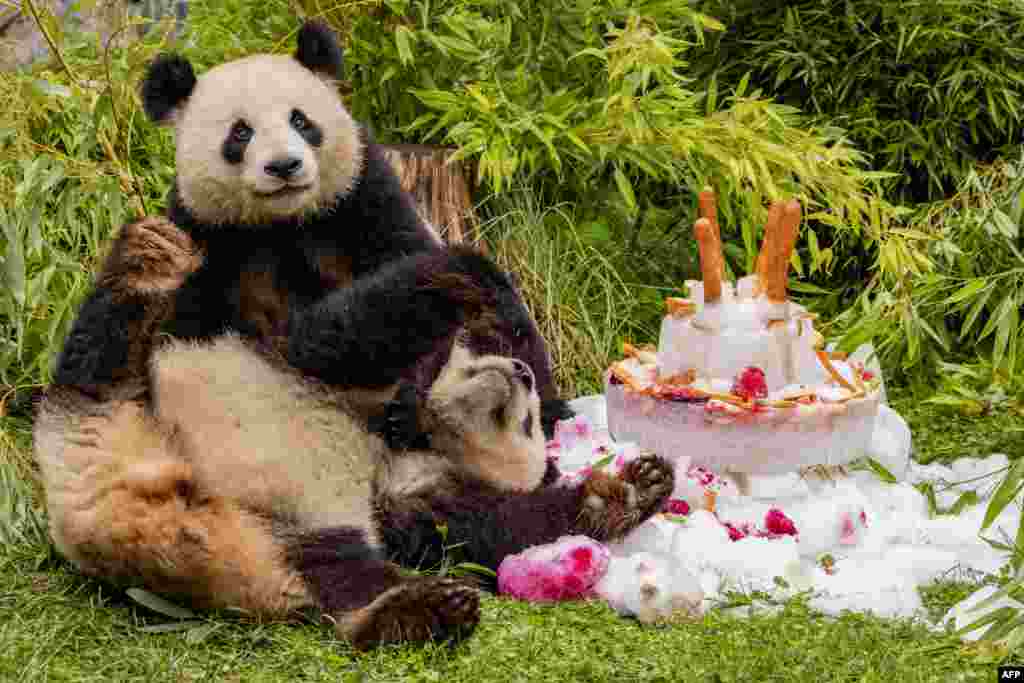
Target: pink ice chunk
567,569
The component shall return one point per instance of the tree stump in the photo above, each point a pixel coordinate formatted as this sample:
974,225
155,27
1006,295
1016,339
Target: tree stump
443,190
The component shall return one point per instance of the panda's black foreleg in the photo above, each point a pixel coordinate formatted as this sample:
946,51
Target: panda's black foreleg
369,334
484,525
112,337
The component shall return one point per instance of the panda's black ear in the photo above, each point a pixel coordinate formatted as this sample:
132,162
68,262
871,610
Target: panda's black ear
168,83
318,49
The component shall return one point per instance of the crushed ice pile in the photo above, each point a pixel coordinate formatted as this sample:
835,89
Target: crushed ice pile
854,542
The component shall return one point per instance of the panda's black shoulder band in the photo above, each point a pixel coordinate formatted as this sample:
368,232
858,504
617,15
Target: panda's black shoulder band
169,81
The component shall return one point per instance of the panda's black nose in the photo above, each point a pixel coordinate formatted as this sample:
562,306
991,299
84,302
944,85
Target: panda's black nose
283,168
524,373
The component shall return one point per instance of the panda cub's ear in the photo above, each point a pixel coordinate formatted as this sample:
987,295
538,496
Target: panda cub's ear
318,50
168,83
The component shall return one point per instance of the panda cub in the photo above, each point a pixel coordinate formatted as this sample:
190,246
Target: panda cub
226,477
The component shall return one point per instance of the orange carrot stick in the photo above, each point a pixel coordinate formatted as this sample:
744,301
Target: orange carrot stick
788,226
710,260
775,212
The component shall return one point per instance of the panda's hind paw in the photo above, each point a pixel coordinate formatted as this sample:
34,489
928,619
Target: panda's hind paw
416,611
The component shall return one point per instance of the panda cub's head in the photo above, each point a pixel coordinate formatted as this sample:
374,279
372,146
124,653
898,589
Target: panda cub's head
482,415
262,138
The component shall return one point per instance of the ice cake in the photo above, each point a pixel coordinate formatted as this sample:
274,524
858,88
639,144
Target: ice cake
740,380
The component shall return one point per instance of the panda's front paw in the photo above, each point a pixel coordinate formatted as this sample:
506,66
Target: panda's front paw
150,256
614,506
398,424
653,478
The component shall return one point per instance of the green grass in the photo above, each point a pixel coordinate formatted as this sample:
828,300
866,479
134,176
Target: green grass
56,625
943,435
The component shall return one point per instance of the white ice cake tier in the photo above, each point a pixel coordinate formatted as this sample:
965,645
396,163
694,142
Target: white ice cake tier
769,441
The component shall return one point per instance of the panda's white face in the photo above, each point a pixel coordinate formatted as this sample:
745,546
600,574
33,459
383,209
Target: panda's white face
264,138
485,411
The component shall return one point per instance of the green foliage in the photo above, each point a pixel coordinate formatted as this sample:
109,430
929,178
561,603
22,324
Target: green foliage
21,520
964,303
579,294
928,87
592,102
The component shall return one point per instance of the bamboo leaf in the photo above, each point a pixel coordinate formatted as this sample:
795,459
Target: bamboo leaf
14,265
966,500
477,568
171,627
158,604
403,42
625,188
976,309
1005,493
1005,332
883,474
1002,309
967,291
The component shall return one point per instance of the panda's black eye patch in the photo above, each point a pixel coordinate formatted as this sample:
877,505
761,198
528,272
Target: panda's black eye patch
238,138
309,131
241,132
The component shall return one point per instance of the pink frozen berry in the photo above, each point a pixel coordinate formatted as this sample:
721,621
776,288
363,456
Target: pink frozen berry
567,569
847,531
750,384
734,533
776,522
582,559
677,506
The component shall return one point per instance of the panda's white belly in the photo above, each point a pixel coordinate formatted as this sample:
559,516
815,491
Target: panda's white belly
260,436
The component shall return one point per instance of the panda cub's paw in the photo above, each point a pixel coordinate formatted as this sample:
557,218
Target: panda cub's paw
416,611
398,423
614,506
653,478
150,256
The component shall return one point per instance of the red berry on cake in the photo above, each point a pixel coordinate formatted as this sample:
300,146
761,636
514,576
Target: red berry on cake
776,522
750,384
677,506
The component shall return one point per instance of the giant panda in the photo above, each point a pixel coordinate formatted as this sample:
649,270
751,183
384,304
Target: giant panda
223,475
295,207
214,426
